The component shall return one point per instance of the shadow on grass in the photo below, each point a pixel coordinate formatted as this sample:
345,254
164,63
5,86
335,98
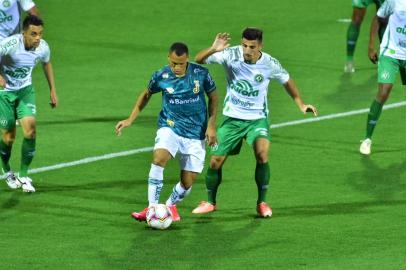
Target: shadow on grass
333,208
383,183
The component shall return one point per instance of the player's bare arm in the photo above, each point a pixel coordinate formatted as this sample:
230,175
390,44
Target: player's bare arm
2,82
220,43
211,136
34,11
293,91
372,52
49,74
140,104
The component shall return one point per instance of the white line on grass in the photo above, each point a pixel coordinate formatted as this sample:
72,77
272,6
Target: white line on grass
148,149
346,20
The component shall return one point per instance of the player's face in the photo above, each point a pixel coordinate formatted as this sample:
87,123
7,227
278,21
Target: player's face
178,64
251,50
32,36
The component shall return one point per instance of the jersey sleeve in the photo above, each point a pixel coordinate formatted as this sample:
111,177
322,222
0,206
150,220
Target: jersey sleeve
153,85
45,52
215,58
386,9
278,72
8,45
26,4
208,83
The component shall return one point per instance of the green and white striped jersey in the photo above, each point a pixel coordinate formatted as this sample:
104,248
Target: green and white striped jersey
247,84
17,63
394,39
10,15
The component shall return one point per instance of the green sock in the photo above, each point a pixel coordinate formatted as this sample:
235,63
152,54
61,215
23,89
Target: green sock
27,154
373,116
352,36
262,175
213,180
5,153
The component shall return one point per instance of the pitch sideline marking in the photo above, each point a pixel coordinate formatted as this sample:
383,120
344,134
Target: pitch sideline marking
148,149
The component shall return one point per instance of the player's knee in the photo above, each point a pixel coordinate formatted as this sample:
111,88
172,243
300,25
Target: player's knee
9,138
261,157
216,162
30,134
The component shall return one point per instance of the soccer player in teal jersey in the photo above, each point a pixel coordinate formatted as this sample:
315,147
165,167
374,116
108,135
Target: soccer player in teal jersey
183,124
358,13
249,71
391,62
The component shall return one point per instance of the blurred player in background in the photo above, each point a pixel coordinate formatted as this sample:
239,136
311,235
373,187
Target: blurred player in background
19,54
358,13
249,71
10,15
391,61
183,124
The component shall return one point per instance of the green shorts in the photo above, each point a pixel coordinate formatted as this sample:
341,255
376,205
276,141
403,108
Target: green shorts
232,132
16,105
366,3
388,69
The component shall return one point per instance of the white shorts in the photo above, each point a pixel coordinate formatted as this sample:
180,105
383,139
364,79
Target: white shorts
192,152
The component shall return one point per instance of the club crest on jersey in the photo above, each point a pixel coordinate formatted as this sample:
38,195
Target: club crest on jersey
170,90
6,3
165,75
259,78
196,89
170,123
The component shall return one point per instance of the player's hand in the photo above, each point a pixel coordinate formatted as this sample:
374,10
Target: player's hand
211,137
221,42
122,124
373,55
2,82
309,108
53,99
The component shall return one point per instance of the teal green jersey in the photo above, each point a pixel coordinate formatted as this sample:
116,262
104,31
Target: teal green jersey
184,108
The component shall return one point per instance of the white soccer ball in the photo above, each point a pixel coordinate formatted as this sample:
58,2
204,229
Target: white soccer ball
159,217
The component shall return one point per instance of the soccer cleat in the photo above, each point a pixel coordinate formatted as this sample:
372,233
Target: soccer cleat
174,213
26,184
204,208
349,67
365,147
140,216
264,210
12,180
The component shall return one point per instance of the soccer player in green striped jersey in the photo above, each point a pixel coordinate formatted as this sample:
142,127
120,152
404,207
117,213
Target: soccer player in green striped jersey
249,71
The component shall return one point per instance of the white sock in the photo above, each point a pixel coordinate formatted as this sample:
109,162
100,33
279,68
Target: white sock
155,184
178,193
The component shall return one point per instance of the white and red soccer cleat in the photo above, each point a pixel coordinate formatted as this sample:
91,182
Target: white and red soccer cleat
264,210
174,213
204,208
140,216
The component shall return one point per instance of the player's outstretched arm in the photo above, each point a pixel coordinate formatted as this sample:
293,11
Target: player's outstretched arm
220,43
49,74
211,136
292,90
141,102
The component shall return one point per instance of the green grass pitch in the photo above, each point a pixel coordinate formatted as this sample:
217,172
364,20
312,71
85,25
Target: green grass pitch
332,208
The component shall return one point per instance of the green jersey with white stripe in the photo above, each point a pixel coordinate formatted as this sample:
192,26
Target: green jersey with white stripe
17,63
247,84
394,39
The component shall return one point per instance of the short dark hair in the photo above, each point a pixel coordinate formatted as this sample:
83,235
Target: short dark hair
179,48
252,33
32,20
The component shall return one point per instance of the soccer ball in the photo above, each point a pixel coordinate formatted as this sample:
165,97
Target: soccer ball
159,217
